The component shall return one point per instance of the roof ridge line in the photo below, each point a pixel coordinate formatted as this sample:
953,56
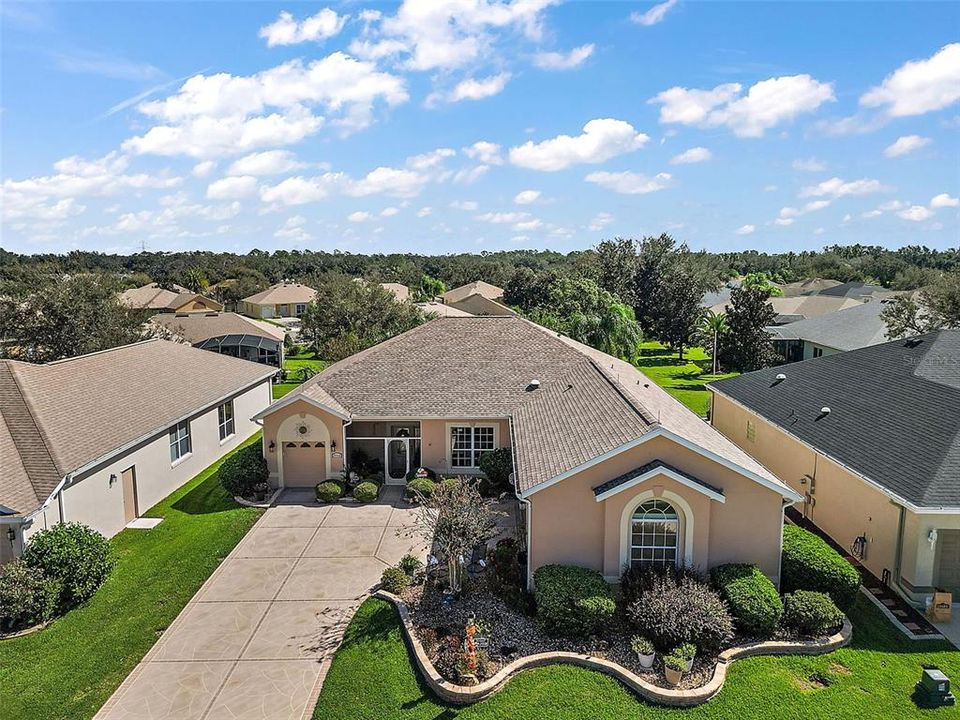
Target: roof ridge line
637,407
99,352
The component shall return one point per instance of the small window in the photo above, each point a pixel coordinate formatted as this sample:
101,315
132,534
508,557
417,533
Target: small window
225,420
180,441
467,444
818,352
301,308
751,431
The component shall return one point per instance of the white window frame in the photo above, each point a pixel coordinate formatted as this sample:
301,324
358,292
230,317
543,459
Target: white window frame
225,423
474,451
299,308
179,434
654,548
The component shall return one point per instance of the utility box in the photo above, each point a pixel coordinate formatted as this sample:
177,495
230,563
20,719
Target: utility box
933,690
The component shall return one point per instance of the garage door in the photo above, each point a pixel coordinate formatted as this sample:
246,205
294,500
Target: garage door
949,577
303,464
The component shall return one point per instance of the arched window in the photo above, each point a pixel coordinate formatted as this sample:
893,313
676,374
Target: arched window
654,533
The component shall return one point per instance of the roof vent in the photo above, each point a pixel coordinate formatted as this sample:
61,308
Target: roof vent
534,384
824,411
781,377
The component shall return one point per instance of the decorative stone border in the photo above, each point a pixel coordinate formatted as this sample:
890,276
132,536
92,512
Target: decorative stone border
465,695
263,505
26,631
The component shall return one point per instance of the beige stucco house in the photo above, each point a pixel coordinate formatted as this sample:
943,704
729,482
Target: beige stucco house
101,438
286,299
609,469
228,334
177,299
871,439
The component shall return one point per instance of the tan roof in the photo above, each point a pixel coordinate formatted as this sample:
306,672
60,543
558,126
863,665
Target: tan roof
442,310
282,294
475,288
150,296
587,403
808,287
60,416
182,299
478,304
399,290
800,307
197,327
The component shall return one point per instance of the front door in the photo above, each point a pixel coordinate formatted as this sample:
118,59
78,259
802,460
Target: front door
397,461
129,480
948,576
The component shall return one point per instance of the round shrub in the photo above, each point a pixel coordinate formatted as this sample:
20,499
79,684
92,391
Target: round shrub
420,488
27,596
366,492
394,580
809,563
410,564
811,613
674,612
74,554
497,466
451,482
242,470
572,600
753,600
329,491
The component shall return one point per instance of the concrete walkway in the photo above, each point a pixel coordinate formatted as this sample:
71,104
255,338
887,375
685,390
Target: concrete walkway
256,641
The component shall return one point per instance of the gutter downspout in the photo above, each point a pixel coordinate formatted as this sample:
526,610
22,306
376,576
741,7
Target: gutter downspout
343,447
898,557
528,514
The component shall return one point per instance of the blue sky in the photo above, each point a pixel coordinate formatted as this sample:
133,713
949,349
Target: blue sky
472,125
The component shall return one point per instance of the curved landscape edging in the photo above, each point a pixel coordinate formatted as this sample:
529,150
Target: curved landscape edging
465,695
25,631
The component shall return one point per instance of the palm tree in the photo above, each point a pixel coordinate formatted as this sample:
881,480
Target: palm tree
714,325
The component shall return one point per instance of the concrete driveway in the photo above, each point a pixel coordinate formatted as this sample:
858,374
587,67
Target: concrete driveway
256,641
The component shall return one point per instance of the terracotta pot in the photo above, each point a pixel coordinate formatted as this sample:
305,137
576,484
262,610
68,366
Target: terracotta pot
646,661
689,664
673,676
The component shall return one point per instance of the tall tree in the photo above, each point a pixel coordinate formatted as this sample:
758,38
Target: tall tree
936,306
429,288
615,266
747,345
61,319
712,326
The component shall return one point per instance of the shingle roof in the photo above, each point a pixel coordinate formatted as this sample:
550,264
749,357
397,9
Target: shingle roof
802,306
893,412
491,292
197,327
643,469
478,304
481,367
150,296
282,294
848,329
442,310
62,415
181,299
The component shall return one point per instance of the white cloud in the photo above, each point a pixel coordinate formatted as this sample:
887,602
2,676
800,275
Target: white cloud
601,140
630,183
430,161
600,221
359,216
471,89
746,229
563,61
769,188
269,162
203,169
835,187
485,152
919,86
389,181
786,222
468,205
693,155
767,104
467,176
500,218
298,190
809,165
905,145
285,30
654,15
232,188
526,197
221,114
527,225
389,211
916,213
293,230
424,212
944,201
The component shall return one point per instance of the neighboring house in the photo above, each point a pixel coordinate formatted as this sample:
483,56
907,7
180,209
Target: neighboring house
871,439
811,286
491,292
101,438
859,291
154,298
610,469
228,334
441,310
848,329
801,307
477,298
400,291
282,300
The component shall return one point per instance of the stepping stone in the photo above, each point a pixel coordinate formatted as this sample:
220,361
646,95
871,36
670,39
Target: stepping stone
888,602
912,626
900,613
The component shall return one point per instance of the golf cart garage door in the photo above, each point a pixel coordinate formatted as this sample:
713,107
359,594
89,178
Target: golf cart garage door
304,464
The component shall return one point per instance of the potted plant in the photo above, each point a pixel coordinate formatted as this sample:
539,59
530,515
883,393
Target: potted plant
688,651
673,667
644,650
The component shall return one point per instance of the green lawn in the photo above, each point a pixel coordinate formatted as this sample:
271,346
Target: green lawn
70,669
371,678
683,380
291,364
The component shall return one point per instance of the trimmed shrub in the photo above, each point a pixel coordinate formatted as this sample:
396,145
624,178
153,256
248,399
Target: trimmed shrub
753,600
394,580
420,488
409,564
809,563
811,613
674,612
242,470
74,554
451,482
497,466
636,580
329,491
27,596
366,492
572,600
